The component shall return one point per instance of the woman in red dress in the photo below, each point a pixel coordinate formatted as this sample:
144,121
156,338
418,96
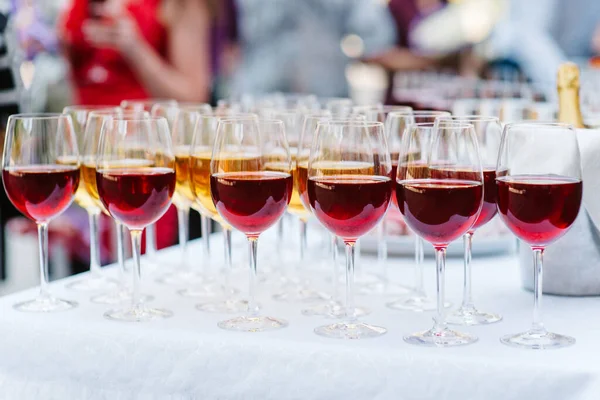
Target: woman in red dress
140,49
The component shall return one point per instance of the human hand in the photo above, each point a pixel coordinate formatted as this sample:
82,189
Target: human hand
116,30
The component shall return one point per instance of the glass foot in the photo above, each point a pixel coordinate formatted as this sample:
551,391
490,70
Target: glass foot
45,304
253,324
118,297
180,278
350,330
208,291
469,316
92,284
137,314
416,304
440,338
333,310
538,340
299,294
229,306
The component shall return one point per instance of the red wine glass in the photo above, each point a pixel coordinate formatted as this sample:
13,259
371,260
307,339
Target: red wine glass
349,189
93,130
249,195
439,204
95,280
539,196
489,133
133,195
149,106
396,125
40,172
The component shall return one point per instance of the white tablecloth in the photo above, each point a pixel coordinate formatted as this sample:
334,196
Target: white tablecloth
80,355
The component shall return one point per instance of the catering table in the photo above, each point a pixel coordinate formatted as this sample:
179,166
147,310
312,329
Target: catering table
80,355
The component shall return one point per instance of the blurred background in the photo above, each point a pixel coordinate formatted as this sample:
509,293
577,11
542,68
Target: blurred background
494,57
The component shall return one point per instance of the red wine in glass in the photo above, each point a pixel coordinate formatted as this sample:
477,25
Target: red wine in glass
251,201
539,209
349,205
136,197
440,211
41,192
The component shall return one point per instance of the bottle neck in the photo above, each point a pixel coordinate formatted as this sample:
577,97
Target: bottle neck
568,106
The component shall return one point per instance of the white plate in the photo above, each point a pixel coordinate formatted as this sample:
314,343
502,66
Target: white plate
405,245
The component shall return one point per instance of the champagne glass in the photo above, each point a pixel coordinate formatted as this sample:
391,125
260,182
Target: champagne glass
182,134
94,280
397,124
249,197
133,195
148,106
201,155
440,198
539,196
332,307
93,130
489,132
295,288
378,113
349,189
40,184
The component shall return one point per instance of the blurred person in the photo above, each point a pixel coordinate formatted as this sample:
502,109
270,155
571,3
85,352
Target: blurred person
145,48
295,46
538,35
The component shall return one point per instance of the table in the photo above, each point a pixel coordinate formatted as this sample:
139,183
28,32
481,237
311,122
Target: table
80,355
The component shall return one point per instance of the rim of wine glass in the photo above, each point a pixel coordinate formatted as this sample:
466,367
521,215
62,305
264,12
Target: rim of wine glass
90,108
148,101
120,112
39,116
381,107
436,124
235,117
149,119
421,113
352,122
532,122
469,117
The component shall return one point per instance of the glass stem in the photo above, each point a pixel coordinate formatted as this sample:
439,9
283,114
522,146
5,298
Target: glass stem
419,256
538,256
94,219
136,244
253,247
227,256
121,252
440,262
336,271
205,226
467,293
382,250
183,218
151,241
350,307
43,254
303,247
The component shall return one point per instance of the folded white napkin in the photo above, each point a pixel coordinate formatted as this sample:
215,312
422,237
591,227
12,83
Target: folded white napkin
572,263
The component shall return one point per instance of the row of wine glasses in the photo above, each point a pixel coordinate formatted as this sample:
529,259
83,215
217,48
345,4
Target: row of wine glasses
346,180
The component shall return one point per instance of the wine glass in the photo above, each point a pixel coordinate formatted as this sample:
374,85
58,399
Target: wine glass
440,197
295,288
249,196
136,196
378,113
332,307
539,196
93,130
339,107
349,189
94,280
398,123
148,106
40,184
201,155
182,134
489,133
